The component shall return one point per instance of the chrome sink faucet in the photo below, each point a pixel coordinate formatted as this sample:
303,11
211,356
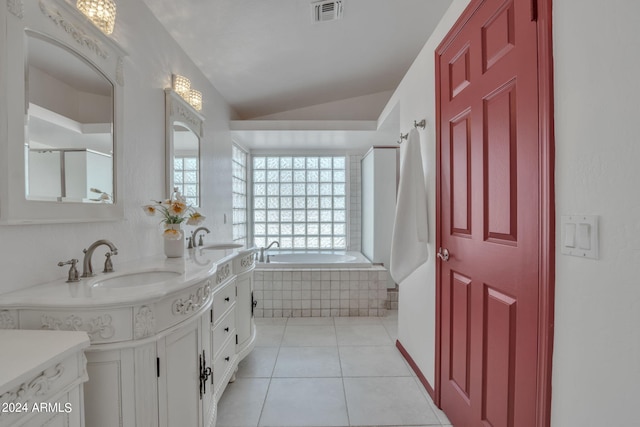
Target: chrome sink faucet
87,269
194,234
263,249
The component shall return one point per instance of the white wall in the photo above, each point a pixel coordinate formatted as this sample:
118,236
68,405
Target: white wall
29,254
596,361
415,97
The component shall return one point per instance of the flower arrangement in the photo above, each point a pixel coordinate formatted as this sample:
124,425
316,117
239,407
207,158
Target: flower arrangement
103,198
174,210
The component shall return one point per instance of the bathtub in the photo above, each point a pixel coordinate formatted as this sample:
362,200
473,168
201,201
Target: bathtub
319,284
314,259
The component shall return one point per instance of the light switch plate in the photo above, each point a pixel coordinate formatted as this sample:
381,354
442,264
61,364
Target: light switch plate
580,236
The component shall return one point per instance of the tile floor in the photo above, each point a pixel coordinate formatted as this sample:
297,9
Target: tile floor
314,371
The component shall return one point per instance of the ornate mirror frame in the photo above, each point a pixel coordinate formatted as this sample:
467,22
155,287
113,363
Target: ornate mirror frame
62,22
178,110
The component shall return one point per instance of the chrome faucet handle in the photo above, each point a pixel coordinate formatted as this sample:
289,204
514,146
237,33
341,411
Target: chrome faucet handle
190,241
108,264
201,240
73,271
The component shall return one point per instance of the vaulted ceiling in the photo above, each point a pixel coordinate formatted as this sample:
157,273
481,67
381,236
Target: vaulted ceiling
268,56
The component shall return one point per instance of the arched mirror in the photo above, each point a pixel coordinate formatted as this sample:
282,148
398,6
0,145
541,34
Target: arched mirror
68,134
184,132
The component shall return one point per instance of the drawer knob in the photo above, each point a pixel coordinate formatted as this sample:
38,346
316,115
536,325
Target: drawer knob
227,358
227,299
226,329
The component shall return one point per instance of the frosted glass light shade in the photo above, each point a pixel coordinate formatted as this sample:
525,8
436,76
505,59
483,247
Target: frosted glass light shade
101,12
195,99
182,86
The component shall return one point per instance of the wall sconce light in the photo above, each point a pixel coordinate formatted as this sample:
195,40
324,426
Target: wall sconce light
195,99
101,12
182,86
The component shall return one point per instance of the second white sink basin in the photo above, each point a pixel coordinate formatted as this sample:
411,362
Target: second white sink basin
139,278
222,246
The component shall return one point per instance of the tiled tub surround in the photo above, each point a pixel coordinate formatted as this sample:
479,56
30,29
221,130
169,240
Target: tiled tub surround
327,292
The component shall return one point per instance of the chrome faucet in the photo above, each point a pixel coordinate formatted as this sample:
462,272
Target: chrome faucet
263,249
194,234
87,269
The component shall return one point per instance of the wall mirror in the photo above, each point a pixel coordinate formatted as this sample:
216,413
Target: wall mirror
183,134
68,134
61,159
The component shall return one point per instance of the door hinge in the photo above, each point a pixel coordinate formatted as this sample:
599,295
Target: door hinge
534,10
211,316
158,367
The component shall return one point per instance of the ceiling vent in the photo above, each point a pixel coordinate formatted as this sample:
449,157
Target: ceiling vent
326,10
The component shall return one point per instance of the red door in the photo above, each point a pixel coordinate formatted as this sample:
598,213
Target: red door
489,216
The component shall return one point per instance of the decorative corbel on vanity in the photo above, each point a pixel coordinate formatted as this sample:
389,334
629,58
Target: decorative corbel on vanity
152,345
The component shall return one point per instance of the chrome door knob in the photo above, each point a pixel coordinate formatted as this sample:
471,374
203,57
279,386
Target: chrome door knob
443,254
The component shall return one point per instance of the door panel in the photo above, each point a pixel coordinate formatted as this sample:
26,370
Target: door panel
499,330
489,217
460,174
460,333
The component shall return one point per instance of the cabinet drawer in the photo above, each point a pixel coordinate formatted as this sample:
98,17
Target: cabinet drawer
223,299
224,366
225,328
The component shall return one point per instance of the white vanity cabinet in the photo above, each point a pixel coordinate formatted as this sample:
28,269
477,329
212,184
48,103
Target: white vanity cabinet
245,325
161,354
41,378
184,392
154,379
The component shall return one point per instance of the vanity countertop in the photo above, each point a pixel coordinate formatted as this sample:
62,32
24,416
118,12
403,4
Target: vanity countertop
197,265
26,352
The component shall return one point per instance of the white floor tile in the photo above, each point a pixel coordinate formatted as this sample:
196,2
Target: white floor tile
392,314
362,335
259,363
301,369
392,328
304,402
309,336
387,401
307,362
271,320
310,321
372,361
357,320
241,403
269,335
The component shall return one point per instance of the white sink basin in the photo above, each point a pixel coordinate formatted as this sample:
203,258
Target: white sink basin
138,278
222,246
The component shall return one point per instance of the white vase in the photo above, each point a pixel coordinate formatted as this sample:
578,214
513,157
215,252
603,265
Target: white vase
174,248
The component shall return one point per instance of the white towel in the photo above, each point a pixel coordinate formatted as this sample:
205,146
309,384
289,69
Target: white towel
410,230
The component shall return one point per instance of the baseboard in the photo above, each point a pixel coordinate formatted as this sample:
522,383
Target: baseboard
416,369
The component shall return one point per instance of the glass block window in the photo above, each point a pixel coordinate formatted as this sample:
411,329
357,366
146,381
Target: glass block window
300,201
239,191
185,177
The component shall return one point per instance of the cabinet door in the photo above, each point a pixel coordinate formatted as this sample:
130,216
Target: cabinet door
244,303
179,381
208,402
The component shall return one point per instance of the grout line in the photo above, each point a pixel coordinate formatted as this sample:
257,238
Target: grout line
344,389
